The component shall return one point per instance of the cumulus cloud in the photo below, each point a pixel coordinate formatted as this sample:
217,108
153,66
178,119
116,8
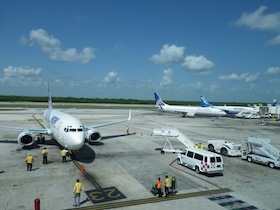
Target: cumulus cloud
246,77
21,75
273,70
259,20
169,54
52,46
200,64
111,78
166,80
275,40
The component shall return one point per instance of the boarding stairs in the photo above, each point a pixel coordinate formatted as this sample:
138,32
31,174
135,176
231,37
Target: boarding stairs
263,145
171,133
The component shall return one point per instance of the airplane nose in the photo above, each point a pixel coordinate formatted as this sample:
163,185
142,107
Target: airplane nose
77,141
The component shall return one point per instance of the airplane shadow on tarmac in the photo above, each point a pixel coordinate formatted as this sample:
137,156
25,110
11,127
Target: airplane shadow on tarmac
85,155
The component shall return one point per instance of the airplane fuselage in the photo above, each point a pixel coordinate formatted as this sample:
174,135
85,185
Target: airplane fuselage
67,130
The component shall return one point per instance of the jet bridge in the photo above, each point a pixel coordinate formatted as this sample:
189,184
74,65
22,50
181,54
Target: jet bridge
172,133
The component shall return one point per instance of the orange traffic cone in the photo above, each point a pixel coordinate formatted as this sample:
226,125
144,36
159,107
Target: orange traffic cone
82,168
141,134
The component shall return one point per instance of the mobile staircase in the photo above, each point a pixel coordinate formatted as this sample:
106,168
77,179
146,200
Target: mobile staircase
172,133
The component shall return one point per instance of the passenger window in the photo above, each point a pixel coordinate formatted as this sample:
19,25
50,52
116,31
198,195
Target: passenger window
198,156
212,160
219,159
190,154
205,159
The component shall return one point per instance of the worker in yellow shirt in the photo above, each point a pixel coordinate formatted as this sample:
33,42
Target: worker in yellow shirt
63,155
77,188
45,156
29,161
167,186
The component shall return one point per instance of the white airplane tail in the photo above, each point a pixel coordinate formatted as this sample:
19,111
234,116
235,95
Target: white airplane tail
50,97
204,103
159,102
275,102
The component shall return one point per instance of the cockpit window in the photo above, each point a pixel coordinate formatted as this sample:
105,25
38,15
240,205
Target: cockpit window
80,129
73,130
66,130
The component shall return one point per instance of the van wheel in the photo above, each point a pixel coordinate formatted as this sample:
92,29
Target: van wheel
249,159
271,165
211,148
224,151
179,161
197,170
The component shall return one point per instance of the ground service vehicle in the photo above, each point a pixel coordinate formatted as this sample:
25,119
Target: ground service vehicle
225,148
261,151
201,160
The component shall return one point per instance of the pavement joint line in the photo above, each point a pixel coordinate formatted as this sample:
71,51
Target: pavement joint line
121,204
87,175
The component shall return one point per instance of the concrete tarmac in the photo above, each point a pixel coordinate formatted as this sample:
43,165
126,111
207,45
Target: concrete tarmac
125,167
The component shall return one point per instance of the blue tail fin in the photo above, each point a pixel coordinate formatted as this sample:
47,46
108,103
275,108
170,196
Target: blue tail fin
275,102
50,97
204,103
159,102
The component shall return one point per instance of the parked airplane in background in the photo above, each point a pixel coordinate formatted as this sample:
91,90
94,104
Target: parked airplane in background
230,109
67,130
189,111
275,102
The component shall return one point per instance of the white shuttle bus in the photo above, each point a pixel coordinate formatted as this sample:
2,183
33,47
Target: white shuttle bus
201,161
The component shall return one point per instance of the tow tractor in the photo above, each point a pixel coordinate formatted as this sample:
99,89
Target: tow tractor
224,147
260,150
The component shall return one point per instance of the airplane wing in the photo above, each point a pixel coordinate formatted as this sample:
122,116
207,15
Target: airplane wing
35,131
111,123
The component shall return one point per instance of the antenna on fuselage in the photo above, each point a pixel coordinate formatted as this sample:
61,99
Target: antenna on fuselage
50,97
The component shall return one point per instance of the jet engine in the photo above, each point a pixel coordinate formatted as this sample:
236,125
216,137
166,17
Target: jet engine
92,136
26,139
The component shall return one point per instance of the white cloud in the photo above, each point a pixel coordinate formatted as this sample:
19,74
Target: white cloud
169,54
21,75
200,64
273,70
111,78
51,45
166,80
246,77
259,20
275,40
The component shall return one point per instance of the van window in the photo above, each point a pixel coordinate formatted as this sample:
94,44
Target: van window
212,160
219,159
198,156
190,154
205,159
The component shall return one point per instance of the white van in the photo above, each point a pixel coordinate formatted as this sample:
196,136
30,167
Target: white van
201,160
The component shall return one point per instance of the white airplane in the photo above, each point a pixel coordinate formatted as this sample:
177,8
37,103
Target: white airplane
230,109
189,111
66,129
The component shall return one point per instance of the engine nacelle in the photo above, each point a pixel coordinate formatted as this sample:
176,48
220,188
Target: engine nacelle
92,136
26,139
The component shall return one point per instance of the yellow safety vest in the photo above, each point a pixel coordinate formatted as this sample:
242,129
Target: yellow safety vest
78,186
29,159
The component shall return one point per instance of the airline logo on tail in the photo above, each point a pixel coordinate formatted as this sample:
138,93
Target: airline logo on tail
204,103
159,102
275,102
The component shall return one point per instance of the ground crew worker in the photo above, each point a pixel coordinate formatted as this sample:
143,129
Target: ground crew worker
159,187
167,186
45,156
196,146
63,155
127,130
77,188
29,161
201,146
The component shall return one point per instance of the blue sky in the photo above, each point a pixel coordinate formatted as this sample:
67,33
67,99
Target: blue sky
224,50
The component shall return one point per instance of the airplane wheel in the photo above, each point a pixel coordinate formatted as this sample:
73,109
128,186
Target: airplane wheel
162,152
211,148
224,151
271,165
249,159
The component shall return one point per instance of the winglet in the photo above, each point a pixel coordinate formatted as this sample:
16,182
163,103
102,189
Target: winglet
129,115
